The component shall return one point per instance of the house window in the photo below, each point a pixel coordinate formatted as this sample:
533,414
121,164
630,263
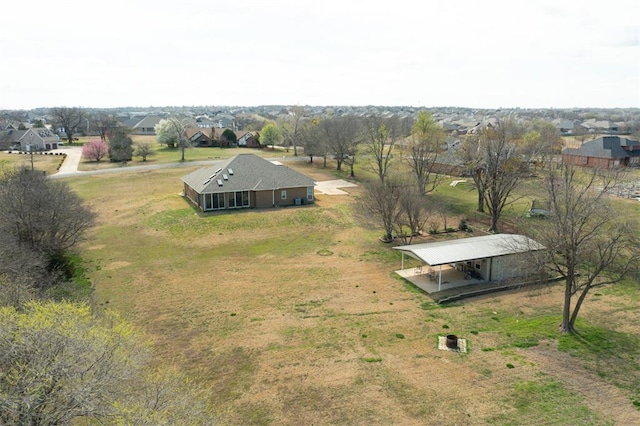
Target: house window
218,201
245,198
584,160
231,200
310,193
213,201
283,195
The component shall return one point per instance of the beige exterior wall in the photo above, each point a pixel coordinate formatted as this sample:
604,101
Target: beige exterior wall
511,266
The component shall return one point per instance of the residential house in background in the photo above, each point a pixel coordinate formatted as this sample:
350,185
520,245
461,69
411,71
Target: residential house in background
146,126
205,122
33,139
606,152
248,139
247,181
225,121
199,137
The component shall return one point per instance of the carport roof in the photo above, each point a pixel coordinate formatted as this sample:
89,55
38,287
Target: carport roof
463,249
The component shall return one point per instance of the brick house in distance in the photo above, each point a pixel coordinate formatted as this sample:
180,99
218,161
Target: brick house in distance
606,152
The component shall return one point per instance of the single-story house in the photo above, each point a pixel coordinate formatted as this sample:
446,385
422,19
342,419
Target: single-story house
605,152
488,258
247,181
33,139
146,126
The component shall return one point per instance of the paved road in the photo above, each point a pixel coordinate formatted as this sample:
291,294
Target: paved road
74,154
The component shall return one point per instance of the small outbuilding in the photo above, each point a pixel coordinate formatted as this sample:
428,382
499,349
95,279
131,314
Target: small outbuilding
465,261
247,181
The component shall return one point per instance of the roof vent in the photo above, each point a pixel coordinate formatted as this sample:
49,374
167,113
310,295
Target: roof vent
219,182
215,173
230,171
225,177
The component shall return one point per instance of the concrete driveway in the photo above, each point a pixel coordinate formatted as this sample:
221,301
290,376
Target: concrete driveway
331,187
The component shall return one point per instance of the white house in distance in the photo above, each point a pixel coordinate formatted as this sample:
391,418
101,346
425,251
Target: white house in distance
34,139
465,261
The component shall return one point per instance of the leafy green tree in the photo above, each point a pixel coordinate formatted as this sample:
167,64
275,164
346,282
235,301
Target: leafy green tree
270,135
60,363
120,144
144,150
230,136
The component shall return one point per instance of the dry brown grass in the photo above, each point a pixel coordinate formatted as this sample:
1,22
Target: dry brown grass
277,333
47,163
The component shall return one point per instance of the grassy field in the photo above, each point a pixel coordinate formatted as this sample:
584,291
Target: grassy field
171,155
47,163
294,316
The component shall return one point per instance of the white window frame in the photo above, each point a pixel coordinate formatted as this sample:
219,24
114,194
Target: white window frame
283,195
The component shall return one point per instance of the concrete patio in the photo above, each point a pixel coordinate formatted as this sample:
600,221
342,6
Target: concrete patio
426,278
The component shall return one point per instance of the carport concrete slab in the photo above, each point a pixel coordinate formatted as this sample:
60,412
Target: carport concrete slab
331,187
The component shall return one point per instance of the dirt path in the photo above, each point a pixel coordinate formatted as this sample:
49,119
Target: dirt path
605,399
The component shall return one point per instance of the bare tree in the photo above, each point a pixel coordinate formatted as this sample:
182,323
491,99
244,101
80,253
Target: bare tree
425,144
68,119
380,202
588,243
504,168
291,127
415,212
104,123
313,140
473,164
496,162
41,214
379,139
341,136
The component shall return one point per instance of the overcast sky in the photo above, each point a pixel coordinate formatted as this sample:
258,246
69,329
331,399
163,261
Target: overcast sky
466,53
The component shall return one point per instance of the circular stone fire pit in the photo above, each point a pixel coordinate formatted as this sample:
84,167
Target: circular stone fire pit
452,341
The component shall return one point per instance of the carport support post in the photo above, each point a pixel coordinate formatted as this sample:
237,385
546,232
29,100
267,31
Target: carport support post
402,266
440,278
